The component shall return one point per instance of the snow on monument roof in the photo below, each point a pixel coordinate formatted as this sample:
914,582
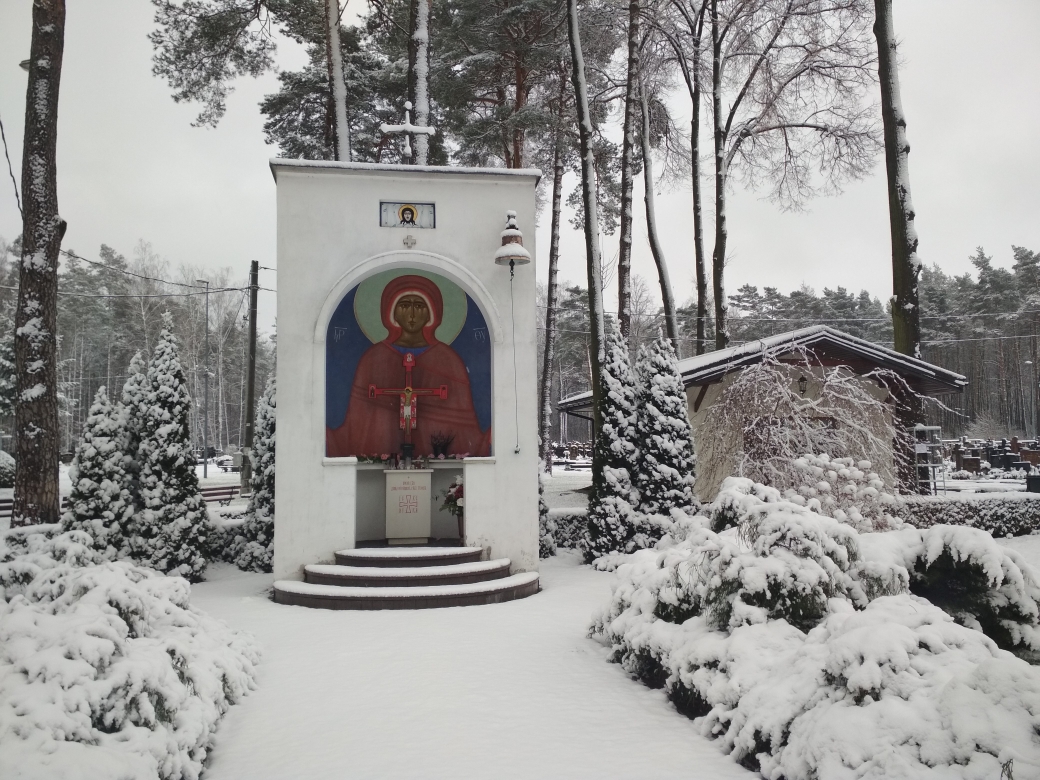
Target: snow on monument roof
278,163
711,366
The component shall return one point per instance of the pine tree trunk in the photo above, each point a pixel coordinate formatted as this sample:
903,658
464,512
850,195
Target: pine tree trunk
36,322
667,298
906,322
545,411
718,257
337,86
589,200
695,181
628,143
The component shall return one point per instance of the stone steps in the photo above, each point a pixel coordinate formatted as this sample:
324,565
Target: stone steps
406,578
407,556
410,576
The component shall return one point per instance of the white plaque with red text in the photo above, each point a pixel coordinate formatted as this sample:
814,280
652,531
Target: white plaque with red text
408,505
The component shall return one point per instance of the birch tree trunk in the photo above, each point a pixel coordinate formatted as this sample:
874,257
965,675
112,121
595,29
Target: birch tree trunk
628,143
337,86
906,266
35,344
588,189
421,37
551,314
667,298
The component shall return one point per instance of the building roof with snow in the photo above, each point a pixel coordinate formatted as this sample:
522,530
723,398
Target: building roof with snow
826,345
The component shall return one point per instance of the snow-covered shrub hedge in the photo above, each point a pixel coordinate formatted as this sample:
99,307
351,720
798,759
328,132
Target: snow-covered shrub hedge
1002,514
569,525
105,669
801,645
546,526
6,470
846,490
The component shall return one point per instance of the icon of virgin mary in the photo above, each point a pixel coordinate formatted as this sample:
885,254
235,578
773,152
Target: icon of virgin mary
411,308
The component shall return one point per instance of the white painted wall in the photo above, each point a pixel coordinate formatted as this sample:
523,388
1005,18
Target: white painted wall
329,239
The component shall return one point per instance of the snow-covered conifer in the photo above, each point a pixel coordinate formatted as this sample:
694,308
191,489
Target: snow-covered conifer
254,546
612,524
135,397
100,503
664,475
7,368
171,526
6,470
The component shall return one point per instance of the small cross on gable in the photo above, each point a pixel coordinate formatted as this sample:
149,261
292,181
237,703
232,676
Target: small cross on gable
409,241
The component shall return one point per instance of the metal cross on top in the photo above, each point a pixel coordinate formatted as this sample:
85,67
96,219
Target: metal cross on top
408,129
408,395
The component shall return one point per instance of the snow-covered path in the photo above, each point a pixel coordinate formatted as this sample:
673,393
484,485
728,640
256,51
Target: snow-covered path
511,690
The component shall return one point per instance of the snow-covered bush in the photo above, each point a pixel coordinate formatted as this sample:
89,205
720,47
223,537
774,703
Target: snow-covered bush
665,468
1002,514
569,526
100,501
807,649
981,584
762,424
170,528
834,487
105,669
253,546
612,523
6,470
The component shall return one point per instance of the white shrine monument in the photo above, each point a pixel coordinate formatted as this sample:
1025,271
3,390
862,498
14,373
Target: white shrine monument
406,360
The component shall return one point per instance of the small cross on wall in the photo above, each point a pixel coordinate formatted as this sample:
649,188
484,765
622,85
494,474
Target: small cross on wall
409,241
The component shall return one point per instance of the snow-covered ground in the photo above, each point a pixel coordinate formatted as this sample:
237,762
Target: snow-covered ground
512,690
561,489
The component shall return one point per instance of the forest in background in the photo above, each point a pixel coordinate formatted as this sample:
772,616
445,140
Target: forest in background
110,307
981,325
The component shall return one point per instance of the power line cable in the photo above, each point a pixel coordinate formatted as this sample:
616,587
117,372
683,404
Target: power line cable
10,170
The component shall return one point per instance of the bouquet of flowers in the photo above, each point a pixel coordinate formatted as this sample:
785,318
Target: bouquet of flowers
453,498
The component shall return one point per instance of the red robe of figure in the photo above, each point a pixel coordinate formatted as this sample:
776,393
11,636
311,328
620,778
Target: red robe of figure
411,308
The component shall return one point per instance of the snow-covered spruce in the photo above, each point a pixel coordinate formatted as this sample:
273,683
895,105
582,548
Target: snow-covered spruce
105,669
100,502
171,526
6,470
8,378
664,474
613,525
253,546
793,632
135,407
546,525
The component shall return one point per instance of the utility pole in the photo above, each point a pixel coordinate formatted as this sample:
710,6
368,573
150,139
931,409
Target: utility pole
205,402
250,412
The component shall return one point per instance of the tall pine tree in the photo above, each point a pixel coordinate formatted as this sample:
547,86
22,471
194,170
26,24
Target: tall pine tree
612,524
254,547
171,526
664,476
100,503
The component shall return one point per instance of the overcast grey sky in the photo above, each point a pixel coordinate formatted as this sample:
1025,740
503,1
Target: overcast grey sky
131,166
